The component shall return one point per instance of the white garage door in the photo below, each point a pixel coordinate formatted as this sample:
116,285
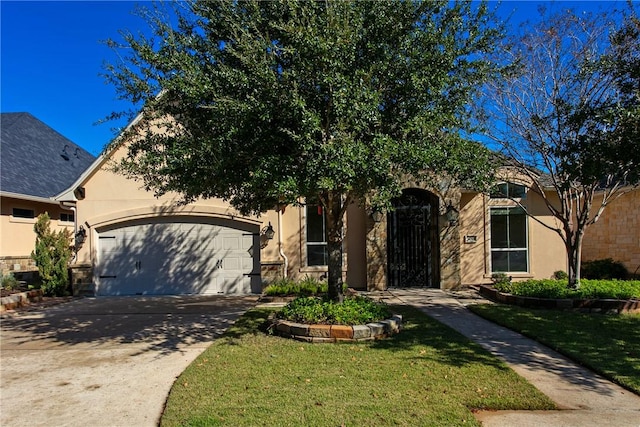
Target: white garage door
178,256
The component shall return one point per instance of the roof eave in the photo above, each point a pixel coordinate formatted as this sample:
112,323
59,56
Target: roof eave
28,197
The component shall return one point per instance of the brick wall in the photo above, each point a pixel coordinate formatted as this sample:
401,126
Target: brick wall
617,233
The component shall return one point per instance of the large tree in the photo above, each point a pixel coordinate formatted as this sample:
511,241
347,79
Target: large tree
328,102
567,115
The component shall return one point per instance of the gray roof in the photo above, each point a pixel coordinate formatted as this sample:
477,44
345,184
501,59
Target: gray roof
35,159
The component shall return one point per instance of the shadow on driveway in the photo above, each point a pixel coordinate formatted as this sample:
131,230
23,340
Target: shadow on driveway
105,361
161,324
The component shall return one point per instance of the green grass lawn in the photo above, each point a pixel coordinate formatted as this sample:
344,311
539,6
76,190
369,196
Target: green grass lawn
427,375
608,344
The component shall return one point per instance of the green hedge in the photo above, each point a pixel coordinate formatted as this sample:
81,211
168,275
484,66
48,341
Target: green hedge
589,289
308,286
356,310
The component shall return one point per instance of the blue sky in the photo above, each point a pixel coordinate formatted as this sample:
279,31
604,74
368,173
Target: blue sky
52,56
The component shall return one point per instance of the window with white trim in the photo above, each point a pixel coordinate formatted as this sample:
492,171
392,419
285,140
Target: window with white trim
316,233
509,246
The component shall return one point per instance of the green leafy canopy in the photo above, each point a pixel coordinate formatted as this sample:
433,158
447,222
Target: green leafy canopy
265,102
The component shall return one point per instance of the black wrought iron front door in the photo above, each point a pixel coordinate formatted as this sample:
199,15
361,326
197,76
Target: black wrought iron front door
413,258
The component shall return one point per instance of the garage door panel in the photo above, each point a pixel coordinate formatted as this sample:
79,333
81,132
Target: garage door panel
180,257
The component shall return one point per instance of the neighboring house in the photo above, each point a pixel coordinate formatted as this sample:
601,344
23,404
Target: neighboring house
444,238
37,163
616,234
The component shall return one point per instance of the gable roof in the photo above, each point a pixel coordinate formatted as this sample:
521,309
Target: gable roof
35,159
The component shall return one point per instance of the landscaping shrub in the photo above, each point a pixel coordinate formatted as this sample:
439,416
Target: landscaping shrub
603,269
560,275
9,282
356,310
309,286
589,289
501,280
52,255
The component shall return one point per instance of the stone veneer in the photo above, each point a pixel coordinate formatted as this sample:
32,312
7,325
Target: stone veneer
617,233
336,333
11,264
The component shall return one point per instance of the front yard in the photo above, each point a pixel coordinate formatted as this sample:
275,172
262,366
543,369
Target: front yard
606,343
426,375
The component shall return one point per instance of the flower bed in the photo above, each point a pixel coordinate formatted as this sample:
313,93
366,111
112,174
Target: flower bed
587,305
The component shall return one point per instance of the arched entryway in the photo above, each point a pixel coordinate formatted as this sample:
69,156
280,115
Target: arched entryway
413,242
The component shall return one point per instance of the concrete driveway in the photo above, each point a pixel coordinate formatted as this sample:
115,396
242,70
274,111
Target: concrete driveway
107,361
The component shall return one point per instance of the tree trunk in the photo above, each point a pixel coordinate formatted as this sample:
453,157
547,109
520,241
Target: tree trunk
574,255
334,224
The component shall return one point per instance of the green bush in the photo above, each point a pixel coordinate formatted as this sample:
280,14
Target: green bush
560,275
603,269
500,280
589,289
52,255
9,282
309,286
356,310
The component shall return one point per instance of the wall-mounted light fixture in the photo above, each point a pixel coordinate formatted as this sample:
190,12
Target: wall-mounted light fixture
452,215
377,215
267,233
80,236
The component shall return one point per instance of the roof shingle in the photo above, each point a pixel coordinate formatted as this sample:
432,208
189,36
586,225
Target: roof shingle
35,159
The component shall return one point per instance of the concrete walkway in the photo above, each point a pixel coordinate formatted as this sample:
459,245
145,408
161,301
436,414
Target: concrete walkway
585,399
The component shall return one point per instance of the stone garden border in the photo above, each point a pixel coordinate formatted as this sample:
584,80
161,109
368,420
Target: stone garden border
584,305
20,299
337,333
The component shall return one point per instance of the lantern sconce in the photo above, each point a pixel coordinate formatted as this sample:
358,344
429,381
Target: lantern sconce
80,236
267,233
452,215
376,215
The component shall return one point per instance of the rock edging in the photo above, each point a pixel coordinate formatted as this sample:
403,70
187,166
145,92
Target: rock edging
335,333
585,305
20,299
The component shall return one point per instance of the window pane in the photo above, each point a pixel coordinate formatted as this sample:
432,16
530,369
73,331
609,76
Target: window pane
315,225
66,217
499,229
516,191
499,191
517,230
317,255
517,260
23,213
499,261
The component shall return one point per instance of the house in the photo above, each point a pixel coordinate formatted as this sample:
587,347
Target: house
37,163
134,243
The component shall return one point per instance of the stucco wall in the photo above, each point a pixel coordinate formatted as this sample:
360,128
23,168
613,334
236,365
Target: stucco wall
17,238
617,233
546,250
110,198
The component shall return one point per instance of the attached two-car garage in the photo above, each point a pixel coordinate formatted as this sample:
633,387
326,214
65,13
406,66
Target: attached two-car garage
178,255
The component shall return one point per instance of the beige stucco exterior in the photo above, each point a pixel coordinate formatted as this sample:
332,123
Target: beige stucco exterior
546,253
616,234
463,251
18,238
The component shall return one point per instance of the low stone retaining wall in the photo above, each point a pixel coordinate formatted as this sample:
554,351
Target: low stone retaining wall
335,333
586,305
21,299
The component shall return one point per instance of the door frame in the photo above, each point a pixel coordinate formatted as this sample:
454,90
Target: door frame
426,240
